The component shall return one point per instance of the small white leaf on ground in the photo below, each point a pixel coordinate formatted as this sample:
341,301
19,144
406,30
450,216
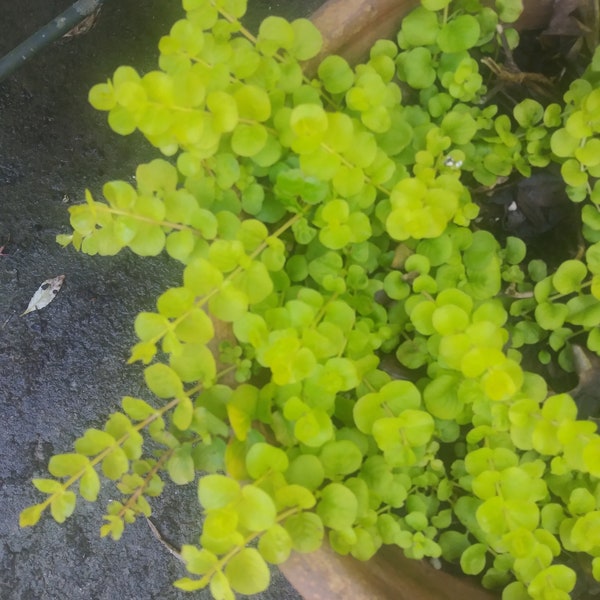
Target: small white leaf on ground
45,294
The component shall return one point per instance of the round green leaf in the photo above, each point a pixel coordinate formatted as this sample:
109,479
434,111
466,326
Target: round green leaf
340,458
93,442
551,316
229,303
275,545
336,74
551,580
163,381
275,33
115,464
306,470
217,491
415,66
459,34
62,506
180,465
247,572
569,276
573,173
249,139
419,28
307,39
256,509
89,485
306,530
253,102
509,10
263,458
63,465
563,144
434,5
472,560
528,112
197,561
337,507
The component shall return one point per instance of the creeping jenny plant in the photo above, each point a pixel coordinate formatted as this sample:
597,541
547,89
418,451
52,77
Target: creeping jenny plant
324,224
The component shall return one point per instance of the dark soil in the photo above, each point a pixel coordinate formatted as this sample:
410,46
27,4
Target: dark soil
63,369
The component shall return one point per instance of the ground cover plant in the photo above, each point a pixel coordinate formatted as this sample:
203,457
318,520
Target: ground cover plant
352,355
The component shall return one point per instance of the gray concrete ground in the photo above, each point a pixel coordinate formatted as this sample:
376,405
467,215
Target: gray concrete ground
64,368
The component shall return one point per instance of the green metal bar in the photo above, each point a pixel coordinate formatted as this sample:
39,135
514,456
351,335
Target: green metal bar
47,34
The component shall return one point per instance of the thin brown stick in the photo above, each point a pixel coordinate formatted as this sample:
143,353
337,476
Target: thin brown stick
156,533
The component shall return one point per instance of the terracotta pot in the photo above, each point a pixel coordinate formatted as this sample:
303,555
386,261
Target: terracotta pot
389,575
351,27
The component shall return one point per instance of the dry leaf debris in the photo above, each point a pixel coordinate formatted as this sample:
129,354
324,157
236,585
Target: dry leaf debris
45,294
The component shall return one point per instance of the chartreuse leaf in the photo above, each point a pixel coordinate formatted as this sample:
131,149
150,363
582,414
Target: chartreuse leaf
120,427
591,457
509,10
255,282
247,572
419,28
416,68
241,410
459,34
194,362
340,458
275,545
198,561
62,505
115,464
568,276
442,399
275,33
411,428
306,531
263,458
183,414
307,40
433,5
306,470
393,397
93,442
217,491
229,303
89,485
551,316
102,96
136,408
47,486
202,277
195,327
114,527
553,580
337,507
181,465
163,381
249,139
67,465
528,112
232,8
220,587
31,515
336,74
256,509
294,495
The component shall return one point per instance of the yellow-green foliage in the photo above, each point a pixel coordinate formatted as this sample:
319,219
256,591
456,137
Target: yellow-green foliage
293,204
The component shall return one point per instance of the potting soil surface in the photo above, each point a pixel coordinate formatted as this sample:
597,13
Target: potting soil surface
63,368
